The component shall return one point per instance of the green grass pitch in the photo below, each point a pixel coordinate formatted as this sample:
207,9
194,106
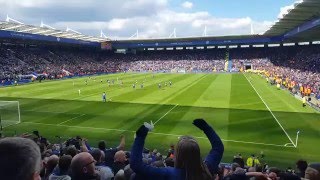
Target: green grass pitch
249,115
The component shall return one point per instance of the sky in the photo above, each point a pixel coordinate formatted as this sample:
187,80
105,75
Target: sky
119,19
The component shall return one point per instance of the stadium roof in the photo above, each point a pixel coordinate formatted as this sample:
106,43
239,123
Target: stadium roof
304,11
46,30
178,39
301,12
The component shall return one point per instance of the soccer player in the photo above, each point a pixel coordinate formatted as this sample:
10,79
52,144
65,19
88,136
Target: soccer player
170,83
141,86
278,86
159,85
86,82
104,97
133,85
79,91
304,100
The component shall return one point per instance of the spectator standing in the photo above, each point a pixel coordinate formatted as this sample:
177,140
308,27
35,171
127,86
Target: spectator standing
188,163
104,171
109,153
83,167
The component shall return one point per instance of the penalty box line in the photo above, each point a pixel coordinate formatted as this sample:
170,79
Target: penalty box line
275,118
155,133
166,114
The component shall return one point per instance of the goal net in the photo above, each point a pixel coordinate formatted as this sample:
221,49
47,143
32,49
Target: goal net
9,113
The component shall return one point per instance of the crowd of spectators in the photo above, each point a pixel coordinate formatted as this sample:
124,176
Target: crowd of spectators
33,157
300,64
56,63
297,65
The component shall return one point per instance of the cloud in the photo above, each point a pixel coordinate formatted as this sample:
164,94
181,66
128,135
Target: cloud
160,25
187,5
121,19
286,9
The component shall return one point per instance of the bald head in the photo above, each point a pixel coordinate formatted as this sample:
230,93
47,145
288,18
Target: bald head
82,164
120,156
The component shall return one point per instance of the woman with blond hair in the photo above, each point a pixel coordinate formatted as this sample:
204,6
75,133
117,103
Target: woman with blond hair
188,164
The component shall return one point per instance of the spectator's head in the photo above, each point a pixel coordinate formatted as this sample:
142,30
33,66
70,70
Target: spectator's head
97,155
120,156
20,159
187,157
169,162
128,171
302,165
102,145
234,166
50,164
82,166
158,164
64,163
71,150
272,176
312,174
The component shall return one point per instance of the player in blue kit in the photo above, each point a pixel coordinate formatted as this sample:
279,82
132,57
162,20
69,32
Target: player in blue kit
104,97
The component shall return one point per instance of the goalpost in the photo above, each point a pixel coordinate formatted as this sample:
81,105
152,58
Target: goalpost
9,113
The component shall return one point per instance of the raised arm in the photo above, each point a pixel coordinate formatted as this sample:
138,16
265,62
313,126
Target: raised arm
215,155
122,143
136,163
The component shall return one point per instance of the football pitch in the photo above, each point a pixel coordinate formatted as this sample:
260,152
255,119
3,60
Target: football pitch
250,116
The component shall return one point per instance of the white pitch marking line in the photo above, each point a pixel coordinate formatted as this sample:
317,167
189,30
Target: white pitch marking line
10,124
226,140
50,112
79,127
155,133
165,114
71,119
270,111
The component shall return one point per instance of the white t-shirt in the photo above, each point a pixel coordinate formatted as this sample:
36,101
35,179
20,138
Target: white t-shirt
105,172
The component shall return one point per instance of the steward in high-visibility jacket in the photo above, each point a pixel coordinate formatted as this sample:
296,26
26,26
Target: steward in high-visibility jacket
308,91
252,161
304,100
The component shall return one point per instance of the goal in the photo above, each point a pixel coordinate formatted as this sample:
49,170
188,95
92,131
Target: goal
9,113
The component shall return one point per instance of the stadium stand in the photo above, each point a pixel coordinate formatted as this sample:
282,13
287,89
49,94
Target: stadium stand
297,66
